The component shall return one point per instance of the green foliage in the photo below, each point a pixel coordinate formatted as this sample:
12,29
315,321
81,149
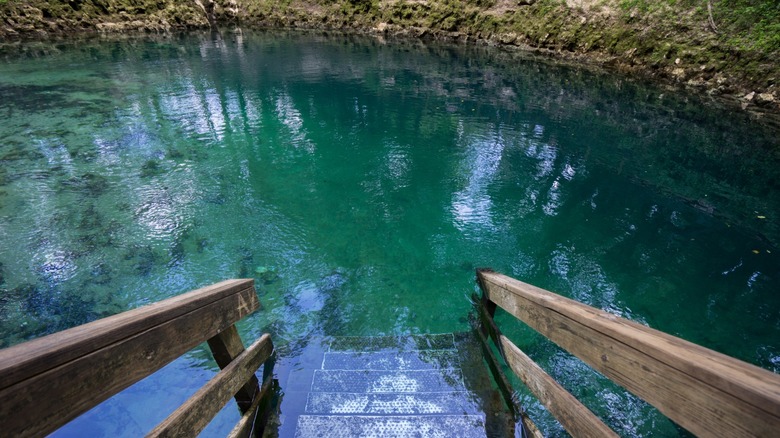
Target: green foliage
743,24
753,23
363,6
482,3
402,12
653,5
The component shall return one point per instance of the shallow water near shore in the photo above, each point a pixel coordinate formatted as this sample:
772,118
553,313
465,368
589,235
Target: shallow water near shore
361,182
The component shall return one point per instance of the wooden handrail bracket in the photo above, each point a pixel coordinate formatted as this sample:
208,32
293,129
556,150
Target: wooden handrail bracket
706,392
47,382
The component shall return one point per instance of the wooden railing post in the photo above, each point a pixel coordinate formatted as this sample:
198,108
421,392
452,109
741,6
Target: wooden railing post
488,306
487,353
252,399
486,329
226,346
269,394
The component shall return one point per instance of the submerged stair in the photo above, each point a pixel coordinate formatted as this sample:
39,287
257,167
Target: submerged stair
422,385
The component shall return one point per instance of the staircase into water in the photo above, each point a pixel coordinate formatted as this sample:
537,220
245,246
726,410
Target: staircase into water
421,385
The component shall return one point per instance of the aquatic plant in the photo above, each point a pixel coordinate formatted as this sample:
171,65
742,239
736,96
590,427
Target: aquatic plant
150,168
143,258
88,184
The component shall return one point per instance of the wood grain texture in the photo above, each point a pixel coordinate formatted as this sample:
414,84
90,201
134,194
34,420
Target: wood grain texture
506,388
577,419
706,392
225,347
487,310
245,425
192,416
49,381
30,358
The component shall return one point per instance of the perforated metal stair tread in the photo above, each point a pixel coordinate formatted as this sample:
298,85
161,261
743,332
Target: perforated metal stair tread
423,403
395,343
370,381
389,386
390,426
391,360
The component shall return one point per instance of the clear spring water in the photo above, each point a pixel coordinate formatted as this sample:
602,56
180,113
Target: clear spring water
361,182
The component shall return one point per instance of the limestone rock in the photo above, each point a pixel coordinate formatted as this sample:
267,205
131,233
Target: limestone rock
765,98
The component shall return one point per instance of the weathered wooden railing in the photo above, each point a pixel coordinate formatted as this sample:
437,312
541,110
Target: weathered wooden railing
46,382
706,392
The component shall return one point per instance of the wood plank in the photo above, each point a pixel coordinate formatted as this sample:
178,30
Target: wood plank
506,389
489,326
44,401
531,431
192,416
706,392
248,420
577,419
501,380
25,360
225,347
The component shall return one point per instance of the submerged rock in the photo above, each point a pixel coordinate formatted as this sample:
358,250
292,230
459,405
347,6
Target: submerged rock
266,275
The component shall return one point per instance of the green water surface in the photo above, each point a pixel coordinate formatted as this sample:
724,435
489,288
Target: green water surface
361,182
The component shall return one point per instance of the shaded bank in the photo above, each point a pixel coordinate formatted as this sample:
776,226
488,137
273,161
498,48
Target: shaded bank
677,42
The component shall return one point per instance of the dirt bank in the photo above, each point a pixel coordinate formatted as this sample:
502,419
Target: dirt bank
26,19
677,42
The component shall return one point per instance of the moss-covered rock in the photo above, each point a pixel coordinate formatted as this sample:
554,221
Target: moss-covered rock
41,18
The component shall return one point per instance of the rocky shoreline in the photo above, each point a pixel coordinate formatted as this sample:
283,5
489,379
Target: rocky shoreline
689,55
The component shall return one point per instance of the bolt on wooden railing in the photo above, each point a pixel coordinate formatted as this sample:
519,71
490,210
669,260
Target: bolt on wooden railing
47,382
706,392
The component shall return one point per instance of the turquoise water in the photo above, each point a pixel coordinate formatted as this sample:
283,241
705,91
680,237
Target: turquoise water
361,182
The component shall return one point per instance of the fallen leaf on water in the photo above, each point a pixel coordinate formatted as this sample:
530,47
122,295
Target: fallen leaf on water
755,251
761,217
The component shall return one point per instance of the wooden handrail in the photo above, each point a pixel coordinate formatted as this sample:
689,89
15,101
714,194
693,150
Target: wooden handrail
704,391
46,382
529,429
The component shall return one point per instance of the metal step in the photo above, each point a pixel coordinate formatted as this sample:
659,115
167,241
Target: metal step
333,426
422,403
391,360
444,341
393,386
372,381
